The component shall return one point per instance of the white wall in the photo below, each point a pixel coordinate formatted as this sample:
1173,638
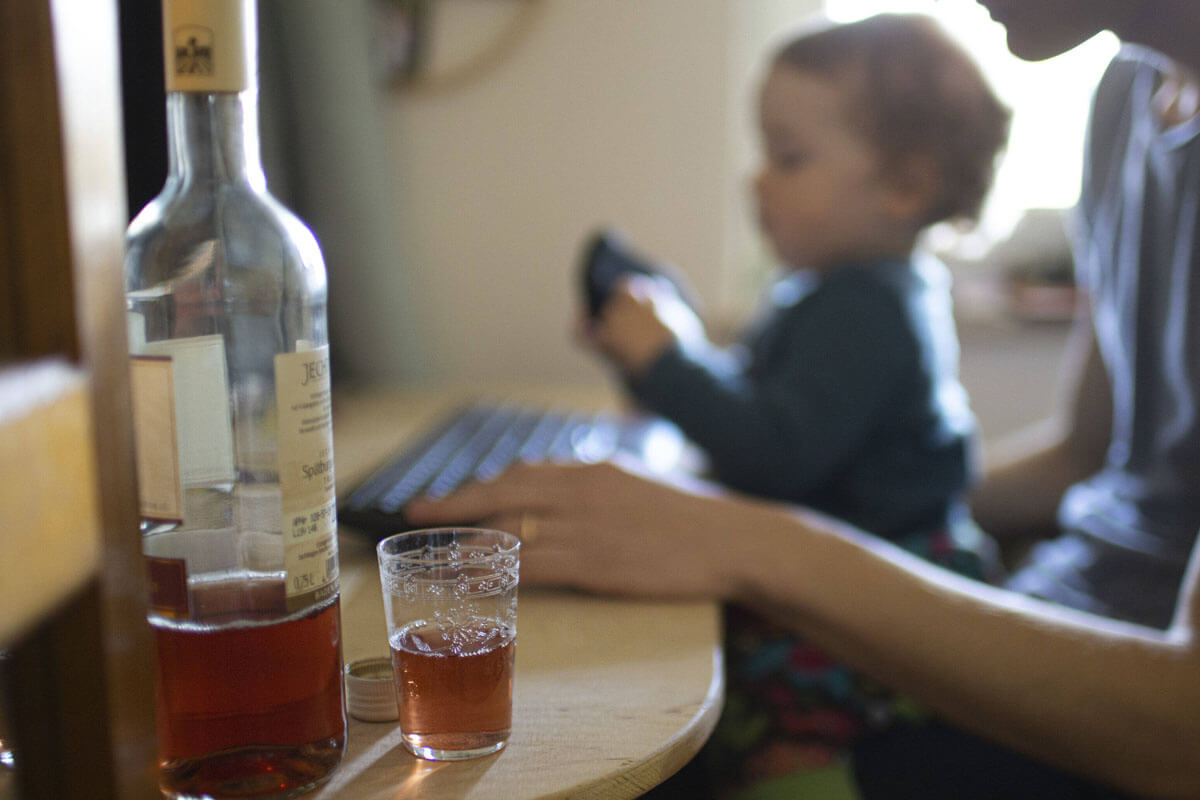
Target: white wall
455,217
451,221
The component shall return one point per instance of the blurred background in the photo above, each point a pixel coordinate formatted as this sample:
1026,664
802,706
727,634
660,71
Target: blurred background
453,155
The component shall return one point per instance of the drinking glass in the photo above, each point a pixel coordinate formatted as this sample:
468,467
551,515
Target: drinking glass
450,595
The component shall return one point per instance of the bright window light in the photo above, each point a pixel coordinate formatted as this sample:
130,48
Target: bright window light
1050,100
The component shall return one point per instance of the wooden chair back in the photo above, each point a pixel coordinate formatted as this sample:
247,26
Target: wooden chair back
77,681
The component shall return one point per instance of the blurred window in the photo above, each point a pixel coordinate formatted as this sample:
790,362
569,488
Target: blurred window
1050,99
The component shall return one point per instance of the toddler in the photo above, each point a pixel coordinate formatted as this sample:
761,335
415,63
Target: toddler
842,395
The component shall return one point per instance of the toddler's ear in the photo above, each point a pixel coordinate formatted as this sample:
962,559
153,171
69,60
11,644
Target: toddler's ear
916,184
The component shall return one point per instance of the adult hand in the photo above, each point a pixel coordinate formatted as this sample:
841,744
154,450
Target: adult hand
603,527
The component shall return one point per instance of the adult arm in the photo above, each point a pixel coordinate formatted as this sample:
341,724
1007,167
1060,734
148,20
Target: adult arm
1027,473
1113,701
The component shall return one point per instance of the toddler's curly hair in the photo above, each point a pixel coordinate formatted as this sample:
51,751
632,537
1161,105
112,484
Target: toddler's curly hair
915,92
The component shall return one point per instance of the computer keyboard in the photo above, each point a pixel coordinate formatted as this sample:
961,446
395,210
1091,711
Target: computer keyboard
479,440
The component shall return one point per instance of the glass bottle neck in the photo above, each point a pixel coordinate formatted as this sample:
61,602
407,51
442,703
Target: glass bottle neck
212,137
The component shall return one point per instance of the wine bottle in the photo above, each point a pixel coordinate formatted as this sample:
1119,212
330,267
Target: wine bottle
226,308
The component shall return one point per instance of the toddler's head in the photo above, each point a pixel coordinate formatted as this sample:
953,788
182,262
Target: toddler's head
873,131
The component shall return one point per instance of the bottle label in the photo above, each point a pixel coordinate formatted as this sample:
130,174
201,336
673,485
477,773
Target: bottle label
152,387
183,431
209,45
306,481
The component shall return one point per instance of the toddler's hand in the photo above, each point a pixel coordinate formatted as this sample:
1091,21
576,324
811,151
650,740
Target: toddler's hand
642,319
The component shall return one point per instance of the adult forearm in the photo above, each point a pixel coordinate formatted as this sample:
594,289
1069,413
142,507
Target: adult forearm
1027,472
1025,477
1113,701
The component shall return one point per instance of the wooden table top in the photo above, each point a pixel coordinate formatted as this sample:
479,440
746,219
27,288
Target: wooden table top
611,696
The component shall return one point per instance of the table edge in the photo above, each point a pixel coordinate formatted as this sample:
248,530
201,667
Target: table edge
668,759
